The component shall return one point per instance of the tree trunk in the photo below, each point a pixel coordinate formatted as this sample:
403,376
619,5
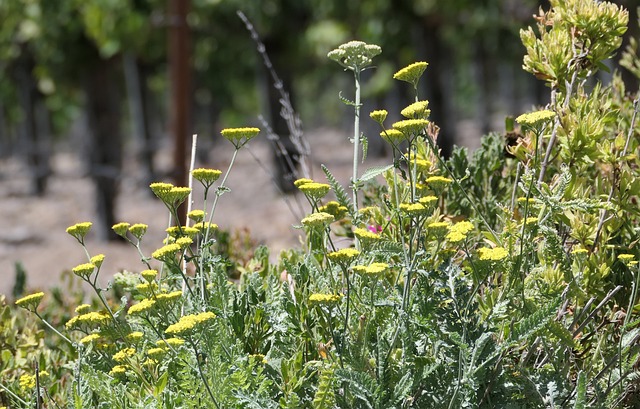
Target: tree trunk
105,145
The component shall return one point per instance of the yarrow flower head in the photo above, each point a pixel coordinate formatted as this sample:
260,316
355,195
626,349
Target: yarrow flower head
188,322
302,181
320,298
320,219
27,382
172,342
84,270
97,260
149,275
393,136
121,228
168,297
343,256
411,126
335,209
124,354
411,73
206,176
83,308
438,182
428,201
492,254
373,269
79,230
413,209
166,253
458,231
365,235
138,230
627,259
196,215
118,370
438,229
379,115
31,301
184,242
355,55
315,190
89,318
239,136
535,118
135,336
90,339
417,110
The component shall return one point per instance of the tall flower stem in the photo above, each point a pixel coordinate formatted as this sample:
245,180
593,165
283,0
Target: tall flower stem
356,141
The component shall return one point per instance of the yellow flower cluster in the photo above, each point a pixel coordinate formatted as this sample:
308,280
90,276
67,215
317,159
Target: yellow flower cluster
417,110
84,270
118,370
143,306
319,219
124,354
138,230
97,260
188,322
89,339
204,226
168,297
27,381
98,318
627,259
166,253
492,254
172,342
579,251
413,209
535,118
365,235
302,181
324,298
343,256
149,275
79,230
438,182
411,126
458,231
121,228
31,301
438,229
196,215
239,136
393,136
184,242
335,209
428,201
83,308
156,353
379,116
372,269
314,190
135,336
206,176
171,195
147,287
411,73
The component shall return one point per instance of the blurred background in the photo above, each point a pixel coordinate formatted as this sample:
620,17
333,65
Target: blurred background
98,98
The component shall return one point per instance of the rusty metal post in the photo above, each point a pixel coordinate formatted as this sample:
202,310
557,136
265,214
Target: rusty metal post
180,85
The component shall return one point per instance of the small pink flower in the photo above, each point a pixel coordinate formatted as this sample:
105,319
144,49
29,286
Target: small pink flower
374,229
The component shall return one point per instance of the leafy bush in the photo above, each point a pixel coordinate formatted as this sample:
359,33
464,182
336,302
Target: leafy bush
491,281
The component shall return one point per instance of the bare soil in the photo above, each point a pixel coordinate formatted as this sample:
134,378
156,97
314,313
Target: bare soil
32,229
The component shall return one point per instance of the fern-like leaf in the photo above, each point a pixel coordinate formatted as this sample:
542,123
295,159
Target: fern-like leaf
324,397
341,194
581,391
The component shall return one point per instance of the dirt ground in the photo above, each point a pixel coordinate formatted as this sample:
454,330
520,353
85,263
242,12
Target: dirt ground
32,229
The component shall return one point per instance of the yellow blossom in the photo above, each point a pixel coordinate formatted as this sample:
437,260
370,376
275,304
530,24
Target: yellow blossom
135,336
118,370
428,201
149,275
206,176
411,73
319,219
492,254
343,256
124,354
438,182
413,209
84,270
239,136
97,260
143,306
393,136
160,189
138,230
166,253
79,230
156,353
458,231
315,190
204,226
417,110
31,301
147,288
535,118
196,215
379,116
188,322
93,317
90,338
324,298
184,242
121,228
167,297
438,229
335,209
83,308
579,251
27,381
411,126
172,342
302,181
365,235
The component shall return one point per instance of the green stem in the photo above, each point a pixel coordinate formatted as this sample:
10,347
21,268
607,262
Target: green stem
356,142
219,193
53,329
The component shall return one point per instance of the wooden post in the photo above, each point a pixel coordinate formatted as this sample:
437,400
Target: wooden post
180,79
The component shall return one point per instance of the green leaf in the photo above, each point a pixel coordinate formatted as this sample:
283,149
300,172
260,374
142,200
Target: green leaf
341,194
346,101
161,384
581,391
365,147
374,172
